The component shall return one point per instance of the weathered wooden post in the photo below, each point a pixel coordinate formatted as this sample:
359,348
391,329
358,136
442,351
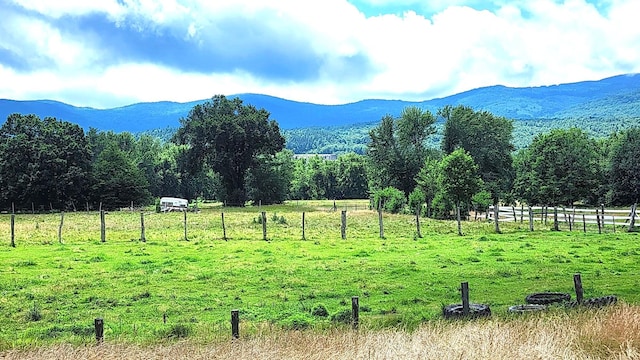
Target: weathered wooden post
235,324
464,288
598,221
343,226
142,235
185,225
530,219
521,213
555,218
584,224
571,222
513,209
60,227
577,282
355,310
546,214
264,225
103,235
224,229
303,235
632,220
98,323
13,230
380,222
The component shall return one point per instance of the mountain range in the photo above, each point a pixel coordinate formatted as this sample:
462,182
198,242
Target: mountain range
613,97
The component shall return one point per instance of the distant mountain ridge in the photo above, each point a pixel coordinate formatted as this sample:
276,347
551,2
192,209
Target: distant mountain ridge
617,96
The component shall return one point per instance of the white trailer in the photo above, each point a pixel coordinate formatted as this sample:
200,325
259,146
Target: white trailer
173,204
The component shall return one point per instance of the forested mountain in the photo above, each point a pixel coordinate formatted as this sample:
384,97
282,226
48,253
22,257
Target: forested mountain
612,98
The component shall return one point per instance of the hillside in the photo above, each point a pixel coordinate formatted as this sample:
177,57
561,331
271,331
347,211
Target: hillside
615,97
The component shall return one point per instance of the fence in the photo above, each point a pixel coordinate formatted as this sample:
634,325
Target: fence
568,216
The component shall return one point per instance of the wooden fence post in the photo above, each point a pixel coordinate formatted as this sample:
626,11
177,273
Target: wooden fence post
584,224
632,221
380,222
142,235
555,219
355,310
98,323
235,324
185,225
13,230
513,209
598,221
263,217
60,227
224,229
521,213
577,282
530,219
343,226
303,235
546,214
464,288
103,235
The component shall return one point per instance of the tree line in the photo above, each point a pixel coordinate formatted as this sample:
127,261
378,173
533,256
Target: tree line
232,152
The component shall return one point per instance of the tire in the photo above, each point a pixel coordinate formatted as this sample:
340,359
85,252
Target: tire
528,308
547,298
596,302
454,311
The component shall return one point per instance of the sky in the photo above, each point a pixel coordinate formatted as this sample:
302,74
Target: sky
111,53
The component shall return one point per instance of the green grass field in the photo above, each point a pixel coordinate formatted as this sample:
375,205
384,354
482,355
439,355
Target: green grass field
51,292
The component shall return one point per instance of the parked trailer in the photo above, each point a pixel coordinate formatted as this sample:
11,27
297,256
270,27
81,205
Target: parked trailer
173,204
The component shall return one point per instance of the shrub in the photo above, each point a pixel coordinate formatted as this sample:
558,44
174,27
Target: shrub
392,199
320,310
297,322
178,331
343,317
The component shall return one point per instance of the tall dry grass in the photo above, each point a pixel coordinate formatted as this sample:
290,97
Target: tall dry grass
611,333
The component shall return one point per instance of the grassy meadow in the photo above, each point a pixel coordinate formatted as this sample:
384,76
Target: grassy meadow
50,293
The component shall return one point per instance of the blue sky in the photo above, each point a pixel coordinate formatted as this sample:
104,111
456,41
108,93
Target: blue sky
109,53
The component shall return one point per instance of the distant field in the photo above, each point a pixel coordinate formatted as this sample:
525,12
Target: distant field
51,292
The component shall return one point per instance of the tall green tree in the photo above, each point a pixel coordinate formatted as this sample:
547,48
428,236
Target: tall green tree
624,168
42,162
269,181
229,137
459,179
117,181
489,141
559,167
398,148
427,181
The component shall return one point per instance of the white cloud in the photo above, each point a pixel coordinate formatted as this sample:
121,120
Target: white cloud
412,57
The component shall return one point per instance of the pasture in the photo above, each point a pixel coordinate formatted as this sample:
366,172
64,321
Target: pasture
167,288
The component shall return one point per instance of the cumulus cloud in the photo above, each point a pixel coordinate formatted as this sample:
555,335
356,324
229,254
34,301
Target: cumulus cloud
107,53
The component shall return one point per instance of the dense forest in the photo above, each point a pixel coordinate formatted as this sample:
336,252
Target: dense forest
229,151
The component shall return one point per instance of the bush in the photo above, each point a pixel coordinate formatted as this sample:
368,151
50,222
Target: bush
177,331
297,322
343,317
320,310
392,199
443,207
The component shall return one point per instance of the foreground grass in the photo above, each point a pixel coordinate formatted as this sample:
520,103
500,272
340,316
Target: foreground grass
612,333
51,292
